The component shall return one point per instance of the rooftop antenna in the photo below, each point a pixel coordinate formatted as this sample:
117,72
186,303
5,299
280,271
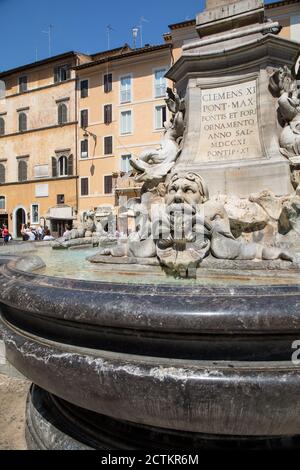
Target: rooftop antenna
142,20
49,32
109,29
135,32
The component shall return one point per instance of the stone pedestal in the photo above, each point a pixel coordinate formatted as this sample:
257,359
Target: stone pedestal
231,135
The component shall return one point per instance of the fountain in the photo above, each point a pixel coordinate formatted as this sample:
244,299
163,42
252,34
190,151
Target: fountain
182,334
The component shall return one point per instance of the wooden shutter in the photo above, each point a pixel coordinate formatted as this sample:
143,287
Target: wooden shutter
2,173
84,186
84,88
70,165
56,74
2,126
108,184
108,145
84,119
107,113
54,167
22,171
22,122
62,114
107,82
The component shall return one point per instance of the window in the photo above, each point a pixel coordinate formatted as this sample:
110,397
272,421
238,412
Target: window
107,114
65,166
2,202
2,173
108,145
160,83
60,199
84,118
54,167
108,184
84,186
22,122
62,73
62,112
22,171
62,166
35,213
107,82
22,84
2,126
126,122
125,90
160,116
84,148
125,165
84,88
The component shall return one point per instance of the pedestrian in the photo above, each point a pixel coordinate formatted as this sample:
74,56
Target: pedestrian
5,234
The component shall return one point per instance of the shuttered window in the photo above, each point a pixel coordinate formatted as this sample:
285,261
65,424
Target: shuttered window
125,89
84,150
107,114
62,73
160,83
22,122
2,173
84,118
108,184
160,116
84,190
107,82
108,145
22,170
2,202
62,114
2,126
22,83
70,165
126,122
84,88
54,167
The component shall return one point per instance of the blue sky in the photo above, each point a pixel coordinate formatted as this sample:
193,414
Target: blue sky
82,25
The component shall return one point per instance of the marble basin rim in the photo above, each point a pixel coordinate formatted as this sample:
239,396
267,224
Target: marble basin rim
195,358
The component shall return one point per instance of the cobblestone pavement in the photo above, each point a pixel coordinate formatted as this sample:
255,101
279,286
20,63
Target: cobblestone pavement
13,392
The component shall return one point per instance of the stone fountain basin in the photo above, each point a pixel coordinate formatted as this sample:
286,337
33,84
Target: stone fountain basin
204,359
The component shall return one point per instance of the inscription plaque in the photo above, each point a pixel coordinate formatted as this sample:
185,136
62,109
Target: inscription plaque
229,123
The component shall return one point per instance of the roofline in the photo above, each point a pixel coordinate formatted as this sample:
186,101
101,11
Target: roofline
123,56
268,6
41,62
109,51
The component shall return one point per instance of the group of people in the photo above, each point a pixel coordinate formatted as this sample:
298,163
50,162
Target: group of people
35,233
4,233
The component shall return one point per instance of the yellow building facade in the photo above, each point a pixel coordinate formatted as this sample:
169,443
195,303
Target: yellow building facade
69,124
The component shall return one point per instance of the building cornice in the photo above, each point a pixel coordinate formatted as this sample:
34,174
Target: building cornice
40,129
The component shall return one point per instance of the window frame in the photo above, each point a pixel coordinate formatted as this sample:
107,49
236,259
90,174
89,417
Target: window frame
156,128
122,111
104,192
81,110
112,145
4,170
122,160
111,113
21,180
111,83
88,180
2,127
61,122
31,213
157,69
87,156
3,198
22,84
23,113
131,88
87,89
